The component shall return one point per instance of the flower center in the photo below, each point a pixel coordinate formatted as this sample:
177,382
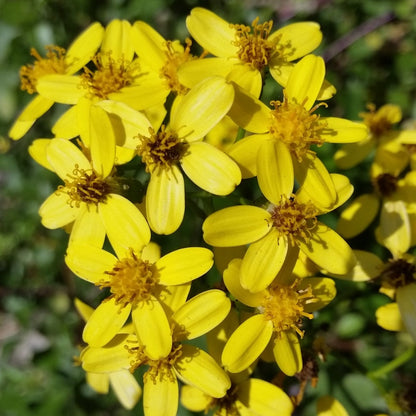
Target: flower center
376,121
385,184
254,48
160,149
174,59
298,128
85,186
226,405
398,273
109,76
284,306
54,63
294,219
131,280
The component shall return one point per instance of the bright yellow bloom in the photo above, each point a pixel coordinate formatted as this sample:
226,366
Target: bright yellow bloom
183,361
243,52
382,136
57,61
138,288
90,199
329,406
180,143
278,315
292,126
277,232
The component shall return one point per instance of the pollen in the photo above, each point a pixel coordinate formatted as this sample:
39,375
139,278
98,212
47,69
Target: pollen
297,127
376,121
174,59
294,219
131,280
53,63
398,273
253,45
284,306
160,149
385,184
109,76
85,186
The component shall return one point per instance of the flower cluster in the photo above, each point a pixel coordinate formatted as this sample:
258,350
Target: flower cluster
194,127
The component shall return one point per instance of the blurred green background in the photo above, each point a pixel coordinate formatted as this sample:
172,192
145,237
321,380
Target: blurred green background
370,48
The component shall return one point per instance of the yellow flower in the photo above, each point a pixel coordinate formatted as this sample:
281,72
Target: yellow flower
90,200
246,50
278,315
57,61
180,143
329,406
277,232
292,126
183,361
382,136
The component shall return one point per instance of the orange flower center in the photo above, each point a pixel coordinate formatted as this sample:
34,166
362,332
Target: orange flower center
298,128
54,63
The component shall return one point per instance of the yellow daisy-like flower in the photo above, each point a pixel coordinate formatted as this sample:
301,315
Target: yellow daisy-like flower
57,61
246,50
90,198
293,127
277,232
180,143
279,311
382,136
183,361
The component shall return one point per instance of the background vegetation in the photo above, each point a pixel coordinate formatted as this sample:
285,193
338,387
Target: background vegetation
370,49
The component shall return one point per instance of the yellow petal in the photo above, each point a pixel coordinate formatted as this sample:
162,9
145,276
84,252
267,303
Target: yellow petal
152,328
406,299
287,352
197,368
99,382
66,127
173,297
389,317
329,406
275,170
305,81
167,186
211,169
194,399
328,250
263,261
89,262
125,225
35,109
351,154
340,130
246,343
126,388
202,108
83,309
161,397
117,42
211,32
56,212
65,89
38,152
235,226
201,313
183,265
358,215
323,289
83,48
88,228
105,322
232,282
264,398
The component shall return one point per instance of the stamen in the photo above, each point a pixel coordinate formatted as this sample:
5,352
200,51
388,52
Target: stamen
226,405
385,184
398,273
376,121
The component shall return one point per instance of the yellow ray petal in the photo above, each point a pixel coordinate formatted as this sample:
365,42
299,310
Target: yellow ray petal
183,265
201,313
99,382
56,211
329,406
38,152
88,228
173,297
406,299
287,352
323,289
161,397
275,170
105,322
125,225
211,169
351,154
66,127
194,399
340,130
199,369
389,317
211,32
263,261
152,328
165,200
246,343
126,388
117,42
65,89
235,226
